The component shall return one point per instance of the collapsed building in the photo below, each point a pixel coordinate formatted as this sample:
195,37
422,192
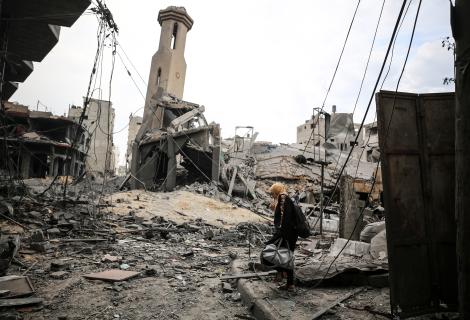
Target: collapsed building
170,125
34,143
337,132
135,122
39,144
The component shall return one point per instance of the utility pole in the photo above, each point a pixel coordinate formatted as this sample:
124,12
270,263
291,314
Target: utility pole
461,31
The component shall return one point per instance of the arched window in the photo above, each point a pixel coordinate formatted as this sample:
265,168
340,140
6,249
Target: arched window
173,36
159,75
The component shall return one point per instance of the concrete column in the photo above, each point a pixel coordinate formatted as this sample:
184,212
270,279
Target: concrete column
350,211
216,154
25,164
171,168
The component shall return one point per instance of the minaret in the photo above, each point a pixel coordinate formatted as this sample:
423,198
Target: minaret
168,69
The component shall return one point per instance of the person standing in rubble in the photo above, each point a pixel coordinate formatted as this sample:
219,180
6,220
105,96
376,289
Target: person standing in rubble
284,223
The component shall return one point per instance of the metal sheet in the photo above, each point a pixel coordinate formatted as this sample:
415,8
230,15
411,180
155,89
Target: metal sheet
418,174
113,275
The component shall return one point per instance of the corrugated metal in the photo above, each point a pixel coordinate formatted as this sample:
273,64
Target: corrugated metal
418,176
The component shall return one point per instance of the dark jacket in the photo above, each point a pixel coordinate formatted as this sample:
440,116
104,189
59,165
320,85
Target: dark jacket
284,222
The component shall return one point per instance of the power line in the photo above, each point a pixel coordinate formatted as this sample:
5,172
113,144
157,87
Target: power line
132,64
378,163
395,29
363,77
334,73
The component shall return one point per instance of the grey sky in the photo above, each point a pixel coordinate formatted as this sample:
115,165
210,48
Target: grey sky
260,63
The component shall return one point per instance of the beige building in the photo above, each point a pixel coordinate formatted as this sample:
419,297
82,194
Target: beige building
315,124
134,125
370,142
99,122
168,68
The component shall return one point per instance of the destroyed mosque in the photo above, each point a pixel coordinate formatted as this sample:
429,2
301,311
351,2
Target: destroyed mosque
183,228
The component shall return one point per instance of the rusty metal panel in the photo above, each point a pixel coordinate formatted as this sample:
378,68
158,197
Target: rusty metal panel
416,137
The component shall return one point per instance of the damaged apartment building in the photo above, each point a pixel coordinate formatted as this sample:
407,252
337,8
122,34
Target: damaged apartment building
35,144
170,125
336,132
99,123
39,144
135,122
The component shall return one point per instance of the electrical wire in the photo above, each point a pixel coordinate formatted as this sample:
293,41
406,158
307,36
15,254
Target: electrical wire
334,73
363,76
378,163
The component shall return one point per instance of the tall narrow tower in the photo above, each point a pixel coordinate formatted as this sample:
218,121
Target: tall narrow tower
168,70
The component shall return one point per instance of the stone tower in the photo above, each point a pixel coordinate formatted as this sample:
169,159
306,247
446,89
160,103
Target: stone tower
168,69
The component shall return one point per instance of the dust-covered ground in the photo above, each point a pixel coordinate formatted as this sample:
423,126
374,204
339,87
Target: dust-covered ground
179,243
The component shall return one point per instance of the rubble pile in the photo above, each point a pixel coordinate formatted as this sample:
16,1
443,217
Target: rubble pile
60,251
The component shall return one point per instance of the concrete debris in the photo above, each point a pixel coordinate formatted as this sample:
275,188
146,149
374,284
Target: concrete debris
59,274
378,246
110,258
7,303
16,286
112,275
371,230
9,246
187,214
353,248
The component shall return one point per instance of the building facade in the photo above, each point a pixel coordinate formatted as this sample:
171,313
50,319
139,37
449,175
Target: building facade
135,122
39,144
99,122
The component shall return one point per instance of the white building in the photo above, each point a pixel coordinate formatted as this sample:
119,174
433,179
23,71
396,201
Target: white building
99,122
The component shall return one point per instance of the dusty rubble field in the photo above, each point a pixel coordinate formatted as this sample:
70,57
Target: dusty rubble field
179,243
171,286
180,207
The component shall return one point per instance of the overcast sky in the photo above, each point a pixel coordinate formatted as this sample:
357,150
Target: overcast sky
263,63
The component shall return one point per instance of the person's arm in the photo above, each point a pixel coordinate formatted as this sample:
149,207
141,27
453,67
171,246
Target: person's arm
277,223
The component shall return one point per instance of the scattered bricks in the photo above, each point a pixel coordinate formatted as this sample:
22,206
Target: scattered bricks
59,275
57,265
53,232
226,287
37,236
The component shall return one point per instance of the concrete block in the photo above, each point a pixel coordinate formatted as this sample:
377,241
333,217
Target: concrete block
353,248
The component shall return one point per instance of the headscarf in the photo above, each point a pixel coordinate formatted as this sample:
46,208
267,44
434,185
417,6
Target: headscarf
276,189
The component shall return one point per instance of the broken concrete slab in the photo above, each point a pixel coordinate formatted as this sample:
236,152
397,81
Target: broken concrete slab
113,275
111,258
57,265
329,225
5,303
53,232
41,246
371,230
18,286
378,246
353,248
